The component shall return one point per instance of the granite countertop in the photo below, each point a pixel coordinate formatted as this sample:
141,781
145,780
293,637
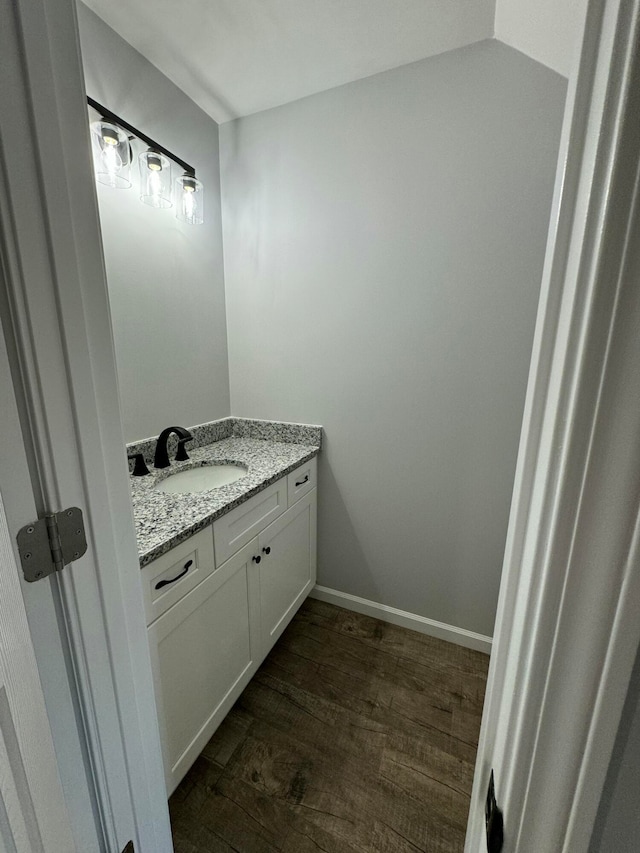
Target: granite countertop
163,520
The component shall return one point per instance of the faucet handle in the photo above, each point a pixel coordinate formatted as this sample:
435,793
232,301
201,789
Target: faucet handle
139,465
181,453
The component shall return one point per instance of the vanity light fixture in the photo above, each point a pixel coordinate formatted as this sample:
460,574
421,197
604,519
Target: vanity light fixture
111,138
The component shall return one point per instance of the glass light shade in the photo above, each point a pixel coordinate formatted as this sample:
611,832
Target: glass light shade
155,179
111,154
189,200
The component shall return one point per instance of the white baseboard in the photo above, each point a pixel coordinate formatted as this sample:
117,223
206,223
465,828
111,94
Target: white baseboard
460,636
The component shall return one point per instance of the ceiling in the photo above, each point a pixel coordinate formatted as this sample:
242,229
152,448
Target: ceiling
236,57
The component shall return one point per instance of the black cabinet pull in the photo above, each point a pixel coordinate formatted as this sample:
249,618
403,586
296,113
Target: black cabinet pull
303,481
187,566
256,559
266,550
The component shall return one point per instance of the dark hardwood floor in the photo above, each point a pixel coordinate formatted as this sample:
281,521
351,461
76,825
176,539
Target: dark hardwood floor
354,735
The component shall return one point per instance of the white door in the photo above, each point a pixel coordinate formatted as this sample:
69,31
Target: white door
37,625
33,815
33,812
62,445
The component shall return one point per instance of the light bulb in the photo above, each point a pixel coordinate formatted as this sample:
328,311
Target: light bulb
188,205
155,179
111,154
189,199
155,186
112,161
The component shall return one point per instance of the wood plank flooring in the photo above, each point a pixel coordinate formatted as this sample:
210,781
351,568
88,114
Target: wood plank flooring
354,736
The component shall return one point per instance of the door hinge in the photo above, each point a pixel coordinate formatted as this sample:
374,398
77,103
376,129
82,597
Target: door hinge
49,544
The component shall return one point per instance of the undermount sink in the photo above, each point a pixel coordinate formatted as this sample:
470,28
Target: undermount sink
201,479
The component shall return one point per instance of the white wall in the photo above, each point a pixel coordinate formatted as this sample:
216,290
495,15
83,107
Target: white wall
547,30
166,284
383,250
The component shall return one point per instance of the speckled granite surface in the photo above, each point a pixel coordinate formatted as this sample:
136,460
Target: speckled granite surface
207,433
277,431
163,520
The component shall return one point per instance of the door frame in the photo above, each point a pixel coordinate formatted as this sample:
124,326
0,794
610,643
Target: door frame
56,323
567,630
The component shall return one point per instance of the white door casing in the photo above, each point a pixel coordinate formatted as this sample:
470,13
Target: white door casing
89,619
567,629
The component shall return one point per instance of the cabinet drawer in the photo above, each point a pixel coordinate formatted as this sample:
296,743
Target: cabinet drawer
239,526
175,573
301,481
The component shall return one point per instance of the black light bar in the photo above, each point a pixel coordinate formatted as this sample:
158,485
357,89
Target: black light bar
155,146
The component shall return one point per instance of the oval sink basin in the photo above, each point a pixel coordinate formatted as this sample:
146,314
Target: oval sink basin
201,479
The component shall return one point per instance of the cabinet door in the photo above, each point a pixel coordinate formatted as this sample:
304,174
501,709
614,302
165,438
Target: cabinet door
204,650
287,569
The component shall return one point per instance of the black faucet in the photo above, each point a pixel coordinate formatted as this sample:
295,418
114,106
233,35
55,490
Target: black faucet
161,458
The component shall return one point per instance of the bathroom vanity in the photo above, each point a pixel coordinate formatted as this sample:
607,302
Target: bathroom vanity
223,573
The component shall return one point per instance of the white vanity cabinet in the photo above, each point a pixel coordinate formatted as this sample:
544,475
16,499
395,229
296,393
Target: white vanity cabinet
208,638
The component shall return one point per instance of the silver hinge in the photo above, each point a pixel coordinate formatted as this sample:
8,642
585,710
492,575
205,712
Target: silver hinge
47,545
